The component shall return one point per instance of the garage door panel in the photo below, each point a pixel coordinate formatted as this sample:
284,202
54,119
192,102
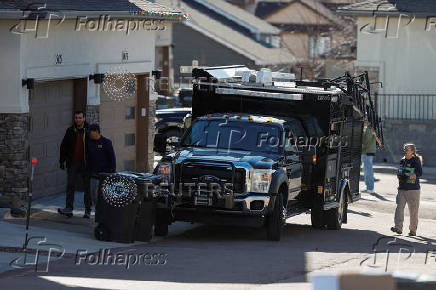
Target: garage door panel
38,122
51,110
37,150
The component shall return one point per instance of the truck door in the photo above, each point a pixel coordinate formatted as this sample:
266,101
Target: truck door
294,168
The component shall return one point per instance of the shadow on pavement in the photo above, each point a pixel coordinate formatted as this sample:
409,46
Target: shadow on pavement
365,214
222,254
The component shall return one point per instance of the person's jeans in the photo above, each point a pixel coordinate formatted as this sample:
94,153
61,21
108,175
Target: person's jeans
73,172
411,198
368,171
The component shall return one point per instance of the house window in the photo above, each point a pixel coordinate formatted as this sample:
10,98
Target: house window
130,113
129,139
319,45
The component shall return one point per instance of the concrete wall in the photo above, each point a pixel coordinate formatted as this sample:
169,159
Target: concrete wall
405,61
190,44
397,132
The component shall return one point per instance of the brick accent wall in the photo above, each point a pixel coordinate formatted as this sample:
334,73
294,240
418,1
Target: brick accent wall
14,161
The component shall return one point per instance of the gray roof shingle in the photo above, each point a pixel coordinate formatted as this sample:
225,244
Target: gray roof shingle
417,7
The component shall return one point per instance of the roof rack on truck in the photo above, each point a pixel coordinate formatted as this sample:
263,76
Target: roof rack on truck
240,80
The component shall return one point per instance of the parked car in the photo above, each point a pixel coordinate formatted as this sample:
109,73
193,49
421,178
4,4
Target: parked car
169,126
166,102
185,97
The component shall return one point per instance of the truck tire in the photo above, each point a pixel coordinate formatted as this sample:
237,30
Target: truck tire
275,220
317,215
335,216
161,224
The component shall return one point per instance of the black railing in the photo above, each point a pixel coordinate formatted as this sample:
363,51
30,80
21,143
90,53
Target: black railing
417,107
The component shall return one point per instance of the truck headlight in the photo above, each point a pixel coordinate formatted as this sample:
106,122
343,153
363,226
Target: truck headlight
165,170
261,180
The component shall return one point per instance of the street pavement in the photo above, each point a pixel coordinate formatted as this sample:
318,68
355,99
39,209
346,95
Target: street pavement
221,257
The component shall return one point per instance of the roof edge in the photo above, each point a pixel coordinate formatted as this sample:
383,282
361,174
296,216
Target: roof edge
232,18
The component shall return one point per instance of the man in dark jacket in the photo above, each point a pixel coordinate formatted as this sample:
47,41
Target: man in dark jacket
73,157
101,158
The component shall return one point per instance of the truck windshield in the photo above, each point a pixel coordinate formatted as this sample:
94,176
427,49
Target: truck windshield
234,135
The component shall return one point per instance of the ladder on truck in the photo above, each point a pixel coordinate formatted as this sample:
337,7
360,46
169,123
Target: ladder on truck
359,89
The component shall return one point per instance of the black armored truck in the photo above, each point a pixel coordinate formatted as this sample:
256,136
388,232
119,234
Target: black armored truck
263,147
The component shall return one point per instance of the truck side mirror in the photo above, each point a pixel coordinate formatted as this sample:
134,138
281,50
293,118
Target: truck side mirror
187,120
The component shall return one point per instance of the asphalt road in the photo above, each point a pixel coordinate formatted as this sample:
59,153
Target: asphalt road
198,256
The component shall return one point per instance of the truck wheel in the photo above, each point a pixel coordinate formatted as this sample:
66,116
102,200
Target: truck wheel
275,220
335,216
161,224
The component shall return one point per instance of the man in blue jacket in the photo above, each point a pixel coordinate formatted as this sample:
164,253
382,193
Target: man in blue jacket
101,158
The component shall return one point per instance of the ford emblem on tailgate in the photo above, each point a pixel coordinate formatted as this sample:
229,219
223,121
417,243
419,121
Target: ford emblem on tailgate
208,178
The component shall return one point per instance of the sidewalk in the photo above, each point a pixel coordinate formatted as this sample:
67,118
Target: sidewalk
49,229
392,169
71,234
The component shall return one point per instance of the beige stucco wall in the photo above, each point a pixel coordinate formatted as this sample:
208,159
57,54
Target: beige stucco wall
296,43
12,96
83,52
407,61
297,13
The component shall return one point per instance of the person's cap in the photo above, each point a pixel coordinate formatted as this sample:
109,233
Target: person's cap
94,127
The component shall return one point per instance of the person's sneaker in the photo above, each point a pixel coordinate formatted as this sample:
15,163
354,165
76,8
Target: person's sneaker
87,215
395,230
68,212
412,234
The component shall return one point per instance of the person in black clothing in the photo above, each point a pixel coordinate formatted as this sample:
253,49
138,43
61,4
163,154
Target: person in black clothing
73,158
408,190
101,158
